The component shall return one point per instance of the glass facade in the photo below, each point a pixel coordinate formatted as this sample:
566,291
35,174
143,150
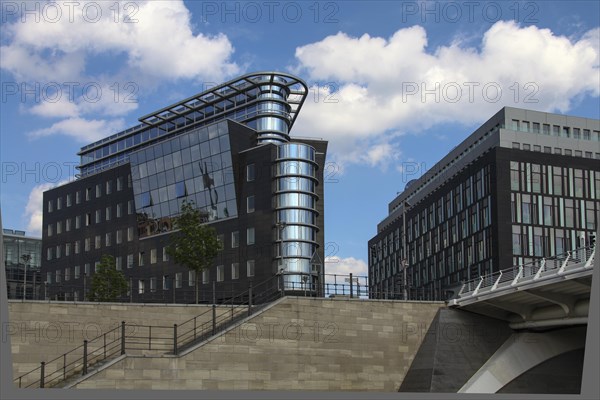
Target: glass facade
294,198
194,166
22,262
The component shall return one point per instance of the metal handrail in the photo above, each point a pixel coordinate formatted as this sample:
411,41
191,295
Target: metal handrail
534,270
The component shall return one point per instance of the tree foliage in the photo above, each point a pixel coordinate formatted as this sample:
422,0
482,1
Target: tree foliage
194,244
108,284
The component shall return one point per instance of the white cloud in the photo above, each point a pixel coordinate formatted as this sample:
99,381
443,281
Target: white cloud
34,207
344,266
159,45
382,83
82,130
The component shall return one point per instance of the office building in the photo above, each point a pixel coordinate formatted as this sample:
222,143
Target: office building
22,262
229,150
525,185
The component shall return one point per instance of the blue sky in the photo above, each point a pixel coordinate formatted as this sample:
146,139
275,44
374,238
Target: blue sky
394,85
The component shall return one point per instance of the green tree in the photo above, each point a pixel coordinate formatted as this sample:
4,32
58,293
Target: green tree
194,244
107,283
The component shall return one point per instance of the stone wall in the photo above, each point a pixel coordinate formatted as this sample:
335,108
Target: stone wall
298,344
42,330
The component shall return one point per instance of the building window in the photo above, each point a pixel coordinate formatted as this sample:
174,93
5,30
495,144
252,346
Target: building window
141,286
165,284
119,183
250,172
86,269
107,239
191,278
68,225
220,273
77,197
77,221
98,242
88,219
119,236
50,229
141,259
119,210
59,203
49,253
69,200
250,204
87,244
58,227
130,234
119,263
50,206
586,134
129,207
250,268
88,194
98,216
77,273
129,260
98,190
67,274
165,255
235,271
205,276
67,249
77,247
108,187
235,239
48,277
153,256
57,276
108,213
178,279
221,241
250,236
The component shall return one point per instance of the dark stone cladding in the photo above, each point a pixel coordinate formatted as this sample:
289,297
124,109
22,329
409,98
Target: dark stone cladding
244,152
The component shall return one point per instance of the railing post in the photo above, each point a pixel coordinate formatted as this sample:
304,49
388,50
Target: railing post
250,299
122,337
149,337
130,289
214,319
214,284
175,339
85,356
195,327
281,284
351,294
104,346
64,366
42,373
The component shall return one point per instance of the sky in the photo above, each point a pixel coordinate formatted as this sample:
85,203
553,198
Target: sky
393,85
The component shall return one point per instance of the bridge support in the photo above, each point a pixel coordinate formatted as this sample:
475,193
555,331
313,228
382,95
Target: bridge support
520,353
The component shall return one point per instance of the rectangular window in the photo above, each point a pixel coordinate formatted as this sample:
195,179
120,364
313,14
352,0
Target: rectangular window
58,227
178,280
546,129
130,234
86,269
250,268
129,260
59,203
119,183
250,172
108,187
107,239
57,276
98,216
205,276
119,210
67,249
49,253
165,255
119,263
68,225
130,207
77,247
152,256
141,286
77,273
87,244
50,206
191,278
141,259
250,204
235,239
235,271
48,277
98,242
67,274
166,282
108,213
576,133
69,200
77,221
50,229
88,194
98,190
586,134
119,236
220,273
250,236
77,197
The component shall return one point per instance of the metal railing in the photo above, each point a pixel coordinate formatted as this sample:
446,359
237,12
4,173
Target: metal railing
527,272
165,339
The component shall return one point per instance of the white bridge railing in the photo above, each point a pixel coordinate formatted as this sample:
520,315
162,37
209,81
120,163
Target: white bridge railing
582,258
